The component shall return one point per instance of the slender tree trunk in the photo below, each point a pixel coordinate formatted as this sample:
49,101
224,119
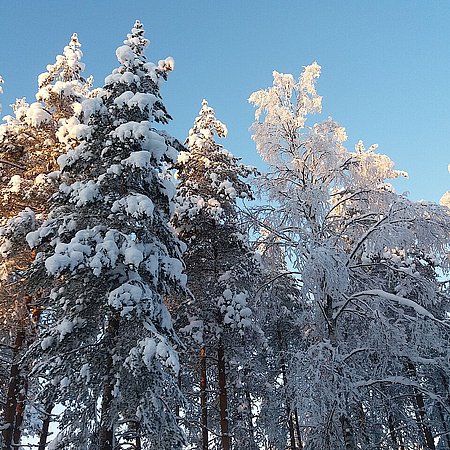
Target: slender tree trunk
444,426
297,428
444,380
250,417
288,411
223,400
419,410
45,425
363,426
290,421
9,413
393,433
20,410
177,406
331,321
291,430
138,442
134,427
422,420
347,432
106,431
204,398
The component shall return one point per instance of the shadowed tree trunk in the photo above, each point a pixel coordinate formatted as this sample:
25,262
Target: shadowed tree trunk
45,425
223,400
297,428
20,409
289,417
347,432
396,439
250,418
12,396
289,412
204,398
106,431
419,410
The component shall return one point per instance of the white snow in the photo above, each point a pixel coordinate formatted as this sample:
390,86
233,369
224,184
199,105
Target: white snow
125,54
47,342
139,99
14,183
135,205
133,255
150,140
140,159
64,328
400,300
149,351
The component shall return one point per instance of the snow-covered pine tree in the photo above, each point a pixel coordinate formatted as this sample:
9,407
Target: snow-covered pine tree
30,142
340,223
32,139
107,355
221,270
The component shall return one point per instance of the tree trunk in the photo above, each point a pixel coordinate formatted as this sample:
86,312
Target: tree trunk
297,428
138,443
392,432
347,432
291,430
444,426
250,418
177,406
106,431
289,413
362,425
397,441
419,410
331,321
20,410
9,413
444,380
134,428
45,425
223,400
288,406
204,398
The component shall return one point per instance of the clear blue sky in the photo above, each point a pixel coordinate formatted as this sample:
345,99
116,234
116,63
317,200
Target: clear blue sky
385,64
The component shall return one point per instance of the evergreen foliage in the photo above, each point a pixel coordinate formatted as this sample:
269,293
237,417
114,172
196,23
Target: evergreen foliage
107,354
221,269
29,145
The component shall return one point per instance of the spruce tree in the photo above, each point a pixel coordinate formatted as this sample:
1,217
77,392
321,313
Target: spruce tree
221,269
32,139
108,352
30,142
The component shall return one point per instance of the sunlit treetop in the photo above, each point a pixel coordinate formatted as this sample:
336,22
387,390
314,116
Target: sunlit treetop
211,179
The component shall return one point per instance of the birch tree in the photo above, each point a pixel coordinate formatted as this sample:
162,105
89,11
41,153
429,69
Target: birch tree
341,222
